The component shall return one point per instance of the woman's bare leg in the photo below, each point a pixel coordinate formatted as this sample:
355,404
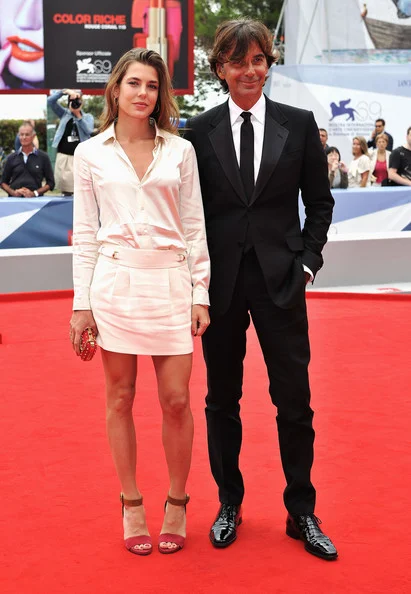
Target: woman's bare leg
120,372
173,375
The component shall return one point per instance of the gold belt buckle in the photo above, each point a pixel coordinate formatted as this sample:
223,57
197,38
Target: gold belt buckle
114,255
181,257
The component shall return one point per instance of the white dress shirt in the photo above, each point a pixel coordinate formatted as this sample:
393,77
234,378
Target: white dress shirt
258,122
163,210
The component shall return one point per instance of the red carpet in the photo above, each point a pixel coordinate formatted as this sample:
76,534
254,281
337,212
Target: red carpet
60,521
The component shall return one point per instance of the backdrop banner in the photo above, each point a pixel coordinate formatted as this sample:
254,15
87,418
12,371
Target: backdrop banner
347,100
60,44
352,31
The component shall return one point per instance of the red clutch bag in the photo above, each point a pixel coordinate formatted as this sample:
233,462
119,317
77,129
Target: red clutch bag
88,345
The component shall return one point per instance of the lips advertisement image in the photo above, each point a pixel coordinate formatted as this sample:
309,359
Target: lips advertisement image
21,44
56,44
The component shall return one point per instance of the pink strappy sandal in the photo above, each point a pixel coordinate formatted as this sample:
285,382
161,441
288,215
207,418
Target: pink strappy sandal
168,538
133,543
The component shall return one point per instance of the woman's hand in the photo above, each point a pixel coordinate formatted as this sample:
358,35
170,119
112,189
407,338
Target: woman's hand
200,320
80,320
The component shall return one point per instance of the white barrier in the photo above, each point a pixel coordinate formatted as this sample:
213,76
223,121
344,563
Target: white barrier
365,259
350,259
35,269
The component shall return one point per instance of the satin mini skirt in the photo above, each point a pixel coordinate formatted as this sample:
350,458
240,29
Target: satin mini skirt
141,301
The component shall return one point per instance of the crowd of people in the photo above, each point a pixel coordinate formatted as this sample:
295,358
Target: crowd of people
27,171
374,162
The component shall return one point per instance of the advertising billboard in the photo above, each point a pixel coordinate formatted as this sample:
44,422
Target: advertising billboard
51,44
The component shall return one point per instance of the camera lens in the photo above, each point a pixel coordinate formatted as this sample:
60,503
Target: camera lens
75,103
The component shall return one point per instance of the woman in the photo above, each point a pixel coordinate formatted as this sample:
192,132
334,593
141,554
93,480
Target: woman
141,274
380,160
359,168
337,170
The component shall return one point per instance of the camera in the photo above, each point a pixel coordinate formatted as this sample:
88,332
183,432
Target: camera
75,103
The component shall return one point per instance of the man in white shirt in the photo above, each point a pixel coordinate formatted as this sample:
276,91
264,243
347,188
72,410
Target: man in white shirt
254,156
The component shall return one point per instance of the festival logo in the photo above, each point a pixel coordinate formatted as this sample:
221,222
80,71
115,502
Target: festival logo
341,109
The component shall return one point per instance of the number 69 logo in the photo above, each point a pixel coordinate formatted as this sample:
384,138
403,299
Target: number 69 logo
102,66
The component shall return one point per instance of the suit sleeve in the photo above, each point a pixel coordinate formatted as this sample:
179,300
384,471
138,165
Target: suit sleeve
316,197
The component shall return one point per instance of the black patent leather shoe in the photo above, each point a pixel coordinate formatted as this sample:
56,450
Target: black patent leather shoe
224,530
307,529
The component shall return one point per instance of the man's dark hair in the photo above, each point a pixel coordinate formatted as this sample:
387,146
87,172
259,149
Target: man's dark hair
322,130
409,130
380,120
236,36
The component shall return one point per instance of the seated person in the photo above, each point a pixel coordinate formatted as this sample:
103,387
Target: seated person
399,171
359,168
25,170
337,170
379,160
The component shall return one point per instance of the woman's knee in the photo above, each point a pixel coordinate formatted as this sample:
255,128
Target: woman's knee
175,403
120,399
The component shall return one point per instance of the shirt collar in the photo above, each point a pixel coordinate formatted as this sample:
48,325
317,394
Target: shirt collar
110,133
34,151
257,110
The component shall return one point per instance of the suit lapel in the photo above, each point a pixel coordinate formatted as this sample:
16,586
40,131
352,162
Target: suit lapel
221,138
275,136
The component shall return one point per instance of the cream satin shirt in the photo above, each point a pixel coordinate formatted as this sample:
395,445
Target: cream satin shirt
164,210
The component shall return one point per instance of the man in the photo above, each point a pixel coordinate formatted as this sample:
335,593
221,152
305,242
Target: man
251,170
323,138
75,126
399,171
25,169
379,129
17,143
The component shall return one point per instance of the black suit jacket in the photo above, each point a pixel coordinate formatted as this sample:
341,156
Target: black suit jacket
292,159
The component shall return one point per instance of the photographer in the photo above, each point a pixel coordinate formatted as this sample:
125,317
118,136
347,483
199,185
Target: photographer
75,126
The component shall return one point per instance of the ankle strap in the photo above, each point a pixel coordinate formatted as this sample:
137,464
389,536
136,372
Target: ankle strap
181,502
130,502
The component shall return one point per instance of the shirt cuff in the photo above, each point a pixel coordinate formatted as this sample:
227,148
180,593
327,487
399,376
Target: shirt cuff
81,299
310,272
200,296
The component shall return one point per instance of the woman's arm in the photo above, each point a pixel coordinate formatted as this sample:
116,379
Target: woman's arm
344,179
364,179
192,219
86,224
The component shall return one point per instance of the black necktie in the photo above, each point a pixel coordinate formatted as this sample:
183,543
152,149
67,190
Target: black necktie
247,154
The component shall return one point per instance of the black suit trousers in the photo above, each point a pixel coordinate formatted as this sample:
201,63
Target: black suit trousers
283,337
